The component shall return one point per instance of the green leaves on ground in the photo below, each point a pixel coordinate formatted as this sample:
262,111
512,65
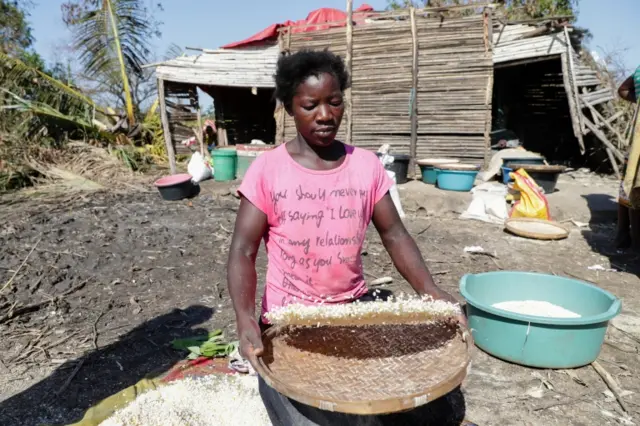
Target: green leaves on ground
211,345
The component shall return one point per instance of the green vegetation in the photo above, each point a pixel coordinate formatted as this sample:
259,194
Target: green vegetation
42,107
514,9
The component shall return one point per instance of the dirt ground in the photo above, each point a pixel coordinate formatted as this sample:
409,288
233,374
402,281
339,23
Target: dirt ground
100,286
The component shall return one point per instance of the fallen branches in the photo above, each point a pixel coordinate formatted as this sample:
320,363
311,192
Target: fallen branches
611,383
8,283
70,378
36,306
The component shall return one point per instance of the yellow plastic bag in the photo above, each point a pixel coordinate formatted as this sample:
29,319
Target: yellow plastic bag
532,201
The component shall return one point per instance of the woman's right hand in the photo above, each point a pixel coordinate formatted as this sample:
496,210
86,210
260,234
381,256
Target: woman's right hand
250,338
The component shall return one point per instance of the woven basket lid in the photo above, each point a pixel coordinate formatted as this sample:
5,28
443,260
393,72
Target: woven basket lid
436,161
365,370
461,167
538,229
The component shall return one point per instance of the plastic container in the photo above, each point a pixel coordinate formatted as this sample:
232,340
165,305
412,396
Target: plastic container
506,179
176,187
456,177
536,341
400,166
545,176
224,164
428,168
523,160
247,154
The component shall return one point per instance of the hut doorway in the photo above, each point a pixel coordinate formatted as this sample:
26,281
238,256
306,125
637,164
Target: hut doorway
243,114
530,101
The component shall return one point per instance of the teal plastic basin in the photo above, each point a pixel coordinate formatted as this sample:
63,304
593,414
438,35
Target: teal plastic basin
429,174
456,180
538,341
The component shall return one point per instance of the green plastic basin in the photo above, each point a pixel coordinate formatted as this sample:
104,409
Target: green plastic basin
535,341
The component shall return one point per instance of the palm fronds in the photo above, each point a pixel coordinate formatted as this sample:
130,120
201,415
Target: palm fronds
114,35
14,72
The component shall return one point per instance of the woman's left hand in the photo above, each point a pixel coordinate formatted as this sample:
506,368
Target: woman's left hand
439,294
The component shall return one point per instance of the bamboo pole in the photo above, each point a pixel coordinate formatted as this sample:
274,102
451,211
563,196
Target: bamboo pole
603,139
605,122
280,110
199,135
349,65
574,88
488,29
414,92
165,127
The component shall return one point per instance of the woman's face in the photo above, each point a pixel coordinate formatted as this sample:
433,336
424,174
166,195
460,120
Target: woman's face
317,109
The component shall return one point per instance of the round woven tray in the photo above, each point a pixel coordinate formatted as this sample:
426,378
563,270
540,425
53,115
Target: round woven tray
538,229
374,369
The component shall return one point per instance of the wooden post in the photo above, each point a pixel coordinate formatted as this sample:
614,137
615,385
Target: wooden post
603,139
284,42
574,88
604,122
278,112
573,106
349,65
199,134
597,118
165,127
488,100
413,147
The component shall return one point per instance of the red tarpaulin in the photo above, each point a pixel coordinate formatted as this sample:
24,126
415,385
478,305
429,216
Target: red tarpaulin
325,18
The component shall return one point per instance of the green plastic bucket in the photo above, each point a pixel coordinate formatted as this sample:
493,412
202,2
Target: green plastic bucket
537,341
224,164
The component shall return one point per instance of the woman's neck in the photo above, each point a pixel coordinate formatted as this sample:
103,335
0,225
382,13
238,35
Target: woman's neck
333,152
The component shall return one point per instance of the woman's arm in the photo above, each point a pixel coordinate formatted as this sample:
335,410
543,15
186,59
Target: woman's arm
627,90
403,250
251,225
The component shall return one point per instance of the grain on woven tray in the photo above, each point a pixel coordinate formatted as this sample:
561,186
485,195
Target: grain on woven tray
402,309
209,401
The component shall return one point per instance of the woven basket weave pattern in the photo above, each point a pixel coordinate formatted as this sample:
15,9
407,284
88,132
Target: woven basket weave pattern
355,368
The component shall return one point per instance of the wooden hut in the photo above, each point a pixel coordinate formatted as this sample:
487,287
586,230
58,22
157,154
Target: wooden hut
424,81
241,84
420,82
549,94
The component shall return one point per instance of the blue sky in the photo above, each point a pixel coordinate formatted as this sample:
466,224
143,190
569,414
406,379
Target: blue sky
212,23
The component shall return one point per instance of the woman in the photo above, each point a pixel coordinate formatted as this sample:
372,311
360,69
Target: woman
628,214
312,199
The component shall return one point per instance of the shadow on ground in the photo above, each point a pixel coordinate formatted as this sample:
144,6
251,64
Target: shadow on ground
602,233
138,354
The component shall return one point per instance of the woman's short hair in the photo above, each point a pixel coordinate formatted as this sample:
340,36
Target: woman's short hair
294,69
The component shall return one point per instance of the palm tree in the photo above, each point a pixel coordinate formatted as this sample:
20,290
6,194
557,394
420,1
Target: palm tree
112,35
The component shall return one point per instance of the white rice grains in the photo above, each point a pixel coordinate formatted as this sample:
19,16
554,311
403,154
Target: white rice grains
215,400
536,308
396,309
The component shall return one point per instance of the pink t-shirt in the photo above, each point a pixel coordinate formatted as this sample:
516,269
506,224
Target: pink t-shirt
317,224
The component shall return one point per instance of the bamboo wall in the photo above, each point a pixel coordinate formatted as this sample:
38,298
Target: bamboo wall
454,76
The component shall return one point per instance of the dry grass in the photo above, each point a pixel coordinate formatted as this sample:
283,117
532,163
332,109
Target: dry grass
75,171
